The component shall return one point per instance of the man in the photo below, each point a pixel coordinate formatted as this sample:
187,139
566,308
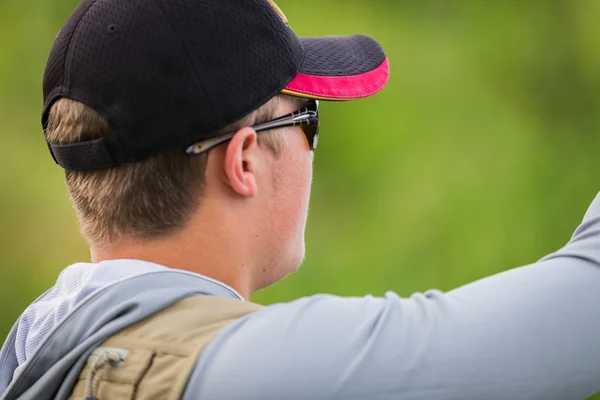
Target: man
187,130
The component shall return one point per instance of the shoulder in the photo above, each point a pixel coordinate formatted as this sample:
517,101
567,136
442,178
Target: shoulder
309,348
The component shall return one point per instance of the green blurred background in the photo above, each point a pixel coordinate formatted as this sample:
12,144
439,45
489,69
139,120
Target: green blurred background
479,156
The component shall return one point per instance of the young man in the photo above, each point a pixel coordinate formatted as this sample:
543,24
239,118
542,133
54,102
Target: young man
187,129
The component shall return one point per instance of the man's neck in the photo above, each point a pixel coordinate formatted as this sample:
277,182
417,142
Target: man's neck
212,255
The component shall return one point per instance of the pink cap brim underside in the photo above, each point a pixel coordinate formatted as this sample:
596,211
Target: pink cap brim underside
340,87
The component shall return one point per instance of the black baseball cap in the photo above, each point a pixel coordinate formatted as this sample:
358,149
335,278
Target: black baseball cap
168,73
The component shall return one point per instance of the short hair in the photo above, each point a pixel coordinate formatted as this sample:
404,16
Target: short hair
141,200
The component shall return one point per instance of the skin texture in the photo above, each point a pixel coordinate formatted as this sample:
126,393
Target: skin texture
249,229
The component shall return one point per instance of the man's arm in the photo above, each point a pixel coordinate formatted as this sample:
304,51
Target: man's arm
528,333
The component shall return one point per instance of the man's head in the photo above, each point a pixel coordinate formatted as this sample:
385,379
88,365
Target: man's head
131,87
262,180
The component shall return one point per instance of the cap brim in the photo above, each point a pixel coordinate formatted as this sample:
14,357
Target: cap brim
340,68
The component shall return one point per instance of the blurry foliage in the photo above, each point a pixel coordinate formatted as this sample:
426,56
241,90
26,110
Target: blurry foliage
479,156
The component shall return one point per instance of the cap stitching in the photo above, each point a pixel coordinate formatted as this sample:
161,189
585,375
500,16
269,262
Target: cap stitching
321,96
67,77
187,56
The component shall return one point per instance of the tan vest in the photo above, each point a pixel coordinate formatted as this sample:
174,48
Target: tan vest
154,358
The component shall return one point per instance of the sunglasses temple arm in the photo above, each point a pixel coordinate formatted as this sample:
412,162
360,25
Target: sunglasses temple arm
206,145
295,120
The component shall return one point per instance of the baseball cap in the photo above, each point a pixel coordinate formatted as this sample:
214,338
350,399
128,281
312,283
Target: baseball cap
168,73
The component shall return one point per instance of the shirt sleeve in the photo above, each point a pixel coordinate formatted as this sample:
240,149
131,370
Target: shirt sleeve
527,333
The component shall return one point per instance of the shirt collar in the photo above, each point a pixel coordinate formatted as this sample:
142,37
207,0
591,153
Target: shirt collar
141,267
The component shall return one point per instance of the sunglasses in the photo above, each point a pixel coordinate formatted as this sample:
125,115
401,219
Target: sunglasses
307,118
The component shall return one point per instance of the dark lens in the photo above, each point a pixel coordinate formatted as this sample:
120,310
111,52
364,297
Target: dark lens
310,127
312,130
312,135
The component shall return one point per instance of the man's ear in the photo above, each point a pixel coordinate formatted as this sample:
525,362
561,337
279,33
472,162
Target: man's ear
240,162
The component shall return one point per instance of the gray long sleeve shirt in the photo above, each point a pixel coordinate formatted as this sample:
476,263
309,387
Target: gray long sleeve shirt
528,333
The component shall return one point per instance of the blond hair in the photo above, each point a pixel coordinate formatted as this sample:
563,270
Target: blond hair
140,200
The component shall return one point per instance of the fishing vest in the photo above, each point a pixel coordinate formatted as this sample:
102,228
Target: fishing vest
154,358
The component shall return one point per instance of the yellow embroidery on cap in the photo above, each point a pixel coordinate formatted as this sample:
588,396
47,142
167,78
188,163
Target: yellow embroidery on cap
281,14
